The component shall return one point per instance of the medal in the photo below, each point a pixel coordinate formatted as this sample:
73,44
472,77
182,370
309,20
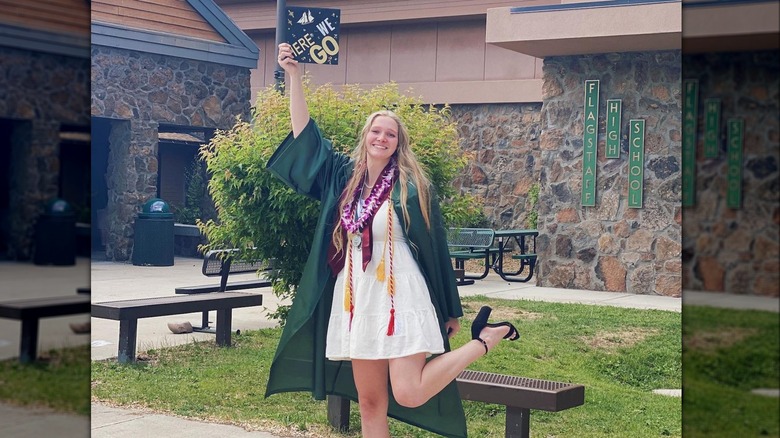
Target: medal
357,239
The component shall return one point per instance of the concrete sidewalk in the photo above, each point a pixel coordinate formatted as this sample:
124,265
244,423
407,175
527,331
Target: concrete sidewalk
122,281
133,423
35,422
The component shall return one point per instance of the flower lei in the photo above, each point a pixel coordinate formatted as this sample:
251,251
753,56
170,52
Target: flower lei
371,204
354,226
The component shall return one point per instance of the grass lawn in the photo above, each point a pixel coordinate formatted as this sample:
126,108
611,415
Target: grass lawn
620,355
727,353
60,381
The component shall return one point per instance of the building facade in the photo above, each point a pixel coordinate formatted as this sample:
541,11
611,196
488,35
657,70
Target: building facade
515,76
735,66
44,117
161,85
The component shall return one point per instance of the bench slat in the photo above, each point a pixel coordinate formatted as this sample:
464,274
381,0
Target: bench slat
238,285
476,254
45,307
178,304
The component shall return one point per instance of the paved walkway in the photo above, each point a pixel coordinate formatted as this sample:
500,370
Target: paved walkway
25,422
113,281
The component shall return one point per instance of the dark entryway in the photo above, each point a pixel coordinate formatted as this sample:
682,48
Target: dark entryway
15,139
181,174
6,126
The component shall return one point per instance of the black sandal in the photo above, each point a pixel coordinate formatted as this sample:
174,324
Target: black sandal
480,322
512,335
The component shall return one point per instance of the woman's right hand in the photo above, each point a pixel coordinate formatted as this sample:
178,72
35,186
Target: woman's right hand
299,112
287,61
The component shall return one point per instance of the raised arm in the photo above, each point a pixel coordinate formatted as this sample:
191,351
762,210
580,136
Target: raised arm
299,111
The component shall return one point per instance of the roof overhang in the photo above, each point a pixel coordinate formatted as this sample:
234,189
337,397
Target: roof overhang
731,25
112,35
239,50
17,37
587,27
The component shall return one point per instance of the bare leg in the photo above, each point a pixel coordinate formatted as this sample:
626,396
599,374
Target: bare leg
371,382
415,381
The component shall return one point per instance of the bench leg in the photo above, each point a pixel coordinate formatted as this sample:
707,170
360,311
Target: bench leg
338,412
128,328
204,324
224,325
518,422
28,347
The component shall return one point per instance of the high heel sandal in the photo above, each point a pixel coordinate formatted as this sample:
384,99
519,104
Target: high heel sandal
480,322
512,335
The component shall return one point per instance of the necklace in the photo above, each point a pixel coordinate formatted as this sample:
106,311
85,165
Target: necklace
354,223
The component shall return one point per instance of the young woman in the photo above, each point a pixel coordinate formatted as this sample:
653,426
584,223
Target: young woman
377,302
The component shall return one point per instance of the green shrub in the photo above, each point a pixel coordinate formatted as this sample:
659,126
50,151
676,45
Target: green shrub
255,210
532,219
195,191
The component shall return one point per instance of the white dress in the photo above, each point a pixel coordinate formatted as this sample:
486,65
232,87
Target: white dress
416,325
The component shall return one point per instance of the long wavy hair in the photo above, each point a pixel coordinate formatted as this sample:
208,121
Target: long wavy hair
409,171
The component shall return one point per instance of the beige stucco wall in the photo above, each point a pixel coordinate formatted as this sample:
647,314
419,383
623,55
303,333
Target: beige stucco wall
578,31
444,62
729,28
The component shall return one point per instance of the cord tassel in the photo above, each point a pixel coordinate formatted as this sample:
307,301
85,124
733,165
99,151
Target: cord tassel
391,280
391,324
380,269
348,283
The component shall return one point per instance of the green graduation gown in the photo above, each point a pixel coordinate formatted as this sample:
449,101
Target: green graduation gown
309,165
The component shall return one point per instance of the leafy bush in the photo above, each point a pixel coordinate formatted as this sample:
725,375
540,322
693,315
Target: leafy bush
258,213
195,187
533,199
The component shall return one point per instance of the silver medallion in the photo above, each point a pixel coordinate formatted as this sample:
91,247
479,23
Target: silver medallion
357,239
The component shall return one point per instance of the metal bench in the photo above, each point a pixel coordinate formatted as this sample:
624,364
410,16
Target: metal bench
30,311
518,394
221,263
471,243
127,312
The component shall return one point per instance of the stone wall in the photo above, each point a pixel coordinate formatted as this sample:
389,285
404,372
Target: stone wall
148,90
611,247
736,250
503,141
41,92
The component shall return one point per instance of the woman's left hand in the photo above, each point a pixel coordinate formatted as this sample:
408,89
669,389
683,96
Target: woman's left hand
452,326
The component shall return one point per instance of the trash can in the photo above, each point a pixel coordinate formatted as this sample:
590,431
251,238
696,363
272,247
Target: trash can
153,241
55,235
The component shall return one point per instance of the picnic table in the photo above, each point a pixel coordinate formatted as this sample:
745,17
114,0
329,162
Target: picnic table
527,259
478,243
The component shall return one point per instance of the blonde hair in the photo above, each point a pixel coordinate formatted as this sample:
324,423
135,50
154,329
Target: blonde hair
409,170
